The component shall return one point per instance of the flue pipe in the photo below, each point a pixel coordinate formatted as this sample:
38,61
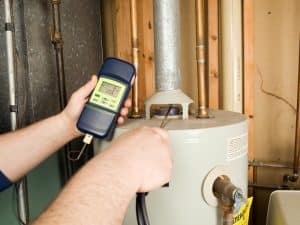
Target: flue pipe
57,42
135,113
167,58
201,58
21,187
166,40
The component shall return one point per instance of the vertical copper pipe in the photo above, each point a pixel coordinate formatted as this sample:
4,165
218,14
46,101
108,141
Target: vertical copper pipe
135,113
227,216
57,42
294,177
297,135
200,57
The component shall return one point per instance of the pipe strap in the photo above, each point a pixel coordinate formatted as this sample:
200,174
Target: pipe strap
9,27
13,108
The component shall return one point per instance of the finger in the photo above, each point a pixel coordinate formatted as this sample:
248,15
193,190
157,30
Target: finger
86,89
161,132
127,103
120,120
124,112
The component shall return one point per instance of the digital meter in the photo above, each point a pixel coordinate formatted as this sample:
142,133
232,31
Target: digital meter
101,112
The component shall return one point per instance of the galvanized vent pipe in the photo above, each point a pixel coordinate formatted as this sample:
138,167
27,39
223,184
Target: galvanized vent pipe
167,58
166,41
21,186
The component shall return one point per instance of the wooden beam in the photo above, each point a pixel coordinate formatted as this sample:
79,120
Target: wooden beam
123,30
147,78
213,52
123,45
249,75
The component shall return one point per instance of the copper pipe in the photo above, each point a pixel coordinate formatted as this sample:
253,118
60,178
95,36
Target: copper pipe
227,216
57,41
229,197
135,112
271,187
294,177
297,135
257,164
201,59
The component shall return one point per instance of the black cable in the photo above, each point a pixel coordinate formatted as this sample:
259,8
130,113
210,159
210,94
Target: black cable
141,209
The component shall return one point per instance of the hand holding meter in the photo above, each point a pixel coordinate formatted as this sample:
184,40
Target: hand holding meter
100,114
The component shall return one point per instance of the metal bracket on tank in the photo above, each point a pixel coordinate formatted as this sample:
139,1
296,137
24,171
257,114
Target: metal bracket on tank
176,97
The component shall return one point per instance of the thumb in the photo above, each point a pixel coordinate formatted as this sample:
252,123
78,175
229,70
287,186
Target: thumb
86,89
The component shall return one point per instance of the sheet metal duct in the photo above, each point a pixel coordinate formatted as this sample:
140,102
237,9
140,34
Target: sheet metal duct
166,42
167,57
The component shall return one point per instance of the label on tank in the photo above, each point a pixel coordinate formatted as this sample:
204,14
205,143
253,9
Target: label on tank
237,146
242,217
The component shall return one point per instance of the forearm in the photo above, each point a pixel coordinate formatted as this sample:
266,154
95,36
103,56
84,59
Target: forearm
22,150
101,191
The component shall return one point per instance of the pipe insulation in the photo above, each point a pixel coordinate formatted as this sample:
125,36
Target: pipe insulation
21,187
166,41
231,38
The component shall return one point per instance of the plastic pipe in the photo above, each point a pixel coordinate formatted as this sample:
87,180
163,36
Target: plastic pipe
231,42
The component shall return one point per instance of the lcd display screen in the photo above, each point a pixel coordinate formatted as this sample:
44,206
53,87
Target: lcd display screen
109,89
108,93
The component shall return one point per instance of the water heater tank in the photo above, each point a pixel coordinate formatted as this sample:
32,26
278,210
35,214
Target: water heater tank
203,149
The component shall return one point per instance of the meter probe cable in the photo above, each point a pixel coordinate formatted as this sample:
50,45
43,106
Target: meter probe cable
86,142
141,207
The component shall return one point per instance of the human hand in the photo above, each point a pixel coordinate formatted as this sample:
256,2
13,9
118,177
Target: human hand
71,113
145,156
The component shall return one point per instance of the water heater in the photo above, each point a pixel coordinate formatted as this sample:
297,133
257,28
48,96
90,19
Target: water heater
203,150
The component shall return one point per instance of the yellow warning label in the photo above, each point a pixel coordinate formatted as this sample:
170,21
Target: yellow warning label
242,217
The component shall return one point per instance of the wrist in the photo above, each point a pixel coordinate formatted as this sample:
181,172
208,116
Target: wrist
122,171
68,125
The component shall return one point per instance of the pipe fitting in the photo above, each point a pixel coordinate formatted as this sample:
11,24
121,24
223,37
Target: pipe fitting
56,38
55,2
290,178
230,196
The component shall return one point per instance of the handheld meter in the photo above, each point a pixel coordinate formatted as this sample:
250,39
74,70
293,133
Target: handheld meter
101,112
